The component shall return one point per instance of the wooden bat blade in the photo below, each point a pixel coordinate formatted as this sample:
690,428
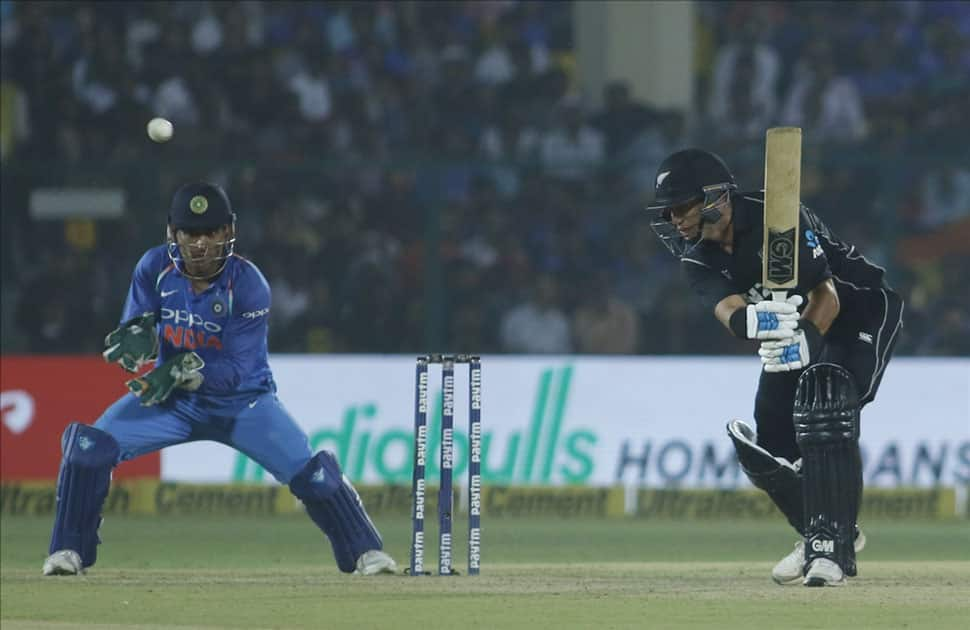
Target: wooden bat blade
783,174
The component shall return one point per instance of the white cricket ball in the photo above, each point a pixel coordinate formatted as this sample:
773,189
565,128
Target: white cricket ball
160,129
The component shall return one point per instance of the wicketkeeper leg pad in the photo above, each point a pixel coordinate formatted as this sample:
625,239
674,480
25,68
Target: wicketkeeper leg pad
336,508
89,455
826,416
777,476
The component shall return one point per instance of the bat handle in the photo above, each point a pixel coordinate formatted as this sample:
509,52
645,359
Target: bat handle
779,296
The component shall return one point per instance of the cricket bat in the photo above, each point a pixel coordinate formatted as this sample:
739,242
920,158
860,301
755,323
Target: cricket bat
783,175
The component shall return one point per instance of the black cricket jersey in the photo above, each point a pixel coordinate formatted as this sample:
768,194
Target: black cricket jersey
714,274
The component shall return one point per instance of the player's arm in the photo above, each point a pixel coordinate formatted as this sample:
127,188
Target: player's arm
135,342
767,319
244,339
728,307
764,320
244,343
823,306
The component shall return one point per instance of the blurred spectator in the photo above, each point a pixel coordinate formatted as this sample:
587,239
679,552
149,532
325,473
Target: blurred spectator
622,119
400,169
744,98
538,325
494,65
603,324
312,89
571,149
826,106
945,196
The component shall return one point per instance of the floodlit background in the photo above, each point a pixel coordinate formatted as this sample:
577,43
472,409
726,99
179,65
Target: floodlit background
413,176
419,177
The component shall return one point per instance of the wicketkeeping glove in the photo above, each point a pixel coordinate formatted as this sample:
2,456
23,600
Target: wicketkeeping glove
769,319
133,344
182,371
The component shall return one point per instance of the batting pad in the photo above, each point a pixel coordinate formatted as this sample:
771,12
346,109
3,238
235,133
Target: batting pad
89,454
827,430
336,508
775,475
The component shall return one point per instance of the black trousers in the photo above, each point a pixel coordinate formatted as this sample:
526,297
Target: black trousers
861,340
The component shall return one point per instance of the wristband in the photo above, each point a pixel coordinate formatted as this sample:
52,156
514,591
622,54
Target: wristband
738,323
813,337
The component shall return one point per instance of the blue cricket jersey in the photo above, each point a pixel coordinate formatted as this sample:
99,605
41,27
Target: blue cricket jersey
227,325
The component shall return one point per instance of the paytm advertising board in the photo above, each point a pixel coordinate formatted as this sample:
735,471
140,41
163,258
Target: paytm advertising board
644,421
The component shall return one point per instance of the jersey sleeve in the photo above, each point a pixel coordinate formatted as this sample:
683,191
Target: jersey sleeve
142,296
844,261
245,337
813,262
710,286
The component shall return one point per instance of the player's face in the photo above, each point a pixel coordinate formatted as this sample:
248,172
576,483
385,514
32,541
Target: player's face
202,249
687,219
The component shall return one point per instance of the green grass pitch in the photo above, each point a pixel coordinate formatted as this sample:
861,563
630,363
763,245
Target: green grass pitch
278,572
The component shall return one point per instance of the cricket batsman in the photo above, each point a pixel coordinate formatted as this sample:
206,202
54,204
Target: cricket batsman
823,352
201,313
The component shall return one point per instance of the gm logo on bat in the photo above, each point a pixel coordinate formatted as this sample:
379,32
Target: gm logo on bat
781,252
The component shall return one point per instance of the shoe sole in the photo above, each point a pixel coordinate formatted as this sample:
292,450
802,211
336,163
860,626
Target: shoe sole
783,582
817,581
859,544
384,568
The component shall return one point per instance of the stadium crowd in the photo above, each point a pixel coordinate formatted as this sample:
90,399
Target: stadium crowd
408,173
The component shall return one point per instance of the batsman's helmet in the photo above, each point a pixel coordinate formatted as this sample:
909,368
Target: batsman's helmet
200,206
685,178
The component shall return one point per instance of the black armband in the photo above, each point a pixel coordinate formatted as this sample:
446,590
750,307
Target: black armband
813,337
739,323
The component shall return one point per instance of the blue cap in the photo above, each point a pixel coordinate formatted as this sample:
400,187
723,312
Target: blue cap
200,205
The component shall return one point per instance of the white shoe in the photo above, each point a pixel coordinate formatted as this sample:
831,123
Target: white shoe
824,572
63,562
789,568
375,562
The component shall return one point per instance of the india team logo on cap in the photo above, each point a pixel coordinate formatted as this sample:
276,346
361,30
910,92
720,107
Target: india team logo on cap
198,204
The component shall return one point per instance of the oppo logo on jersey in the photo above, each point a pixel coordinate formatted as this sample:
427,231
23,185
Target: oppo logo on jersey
183,317
188,330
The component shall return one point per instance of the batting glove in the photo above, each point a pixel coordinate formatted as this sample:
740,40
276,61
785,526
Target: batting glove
133,344
792,354
785,355
182,371
770,319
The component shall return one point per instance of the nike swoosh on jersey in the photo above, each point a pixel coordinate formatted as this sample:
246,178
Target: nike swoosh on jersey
168,293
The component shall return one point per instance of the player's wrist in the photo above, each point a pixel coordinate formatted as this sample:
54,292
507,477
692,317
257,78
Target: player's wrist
813,336
738,323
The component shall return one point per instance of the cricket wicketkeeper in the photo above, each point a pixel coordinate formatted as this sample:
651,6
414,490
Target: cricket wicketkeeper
201,313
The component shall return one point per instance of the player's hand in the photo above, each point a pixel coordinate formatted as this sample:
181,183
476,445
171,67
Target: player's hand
770,319
133,344
785,355
182,370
